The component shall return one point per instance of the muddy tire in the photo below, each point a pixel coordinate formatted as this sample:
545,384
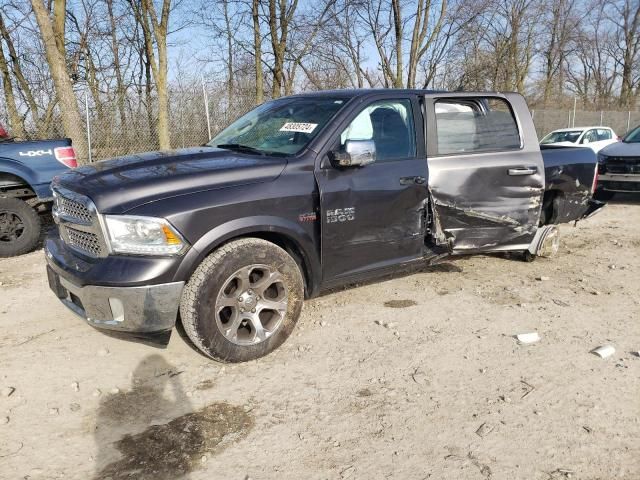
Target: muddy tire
19,227
243,301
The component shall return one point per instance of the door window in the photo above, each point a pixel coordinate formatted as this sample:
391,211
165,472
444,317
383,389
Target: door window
604,134
590,137
475,125
389,123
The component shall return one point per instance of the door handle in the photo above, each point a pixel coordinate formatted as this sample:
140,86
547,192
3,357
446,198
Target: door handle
523,171
409,180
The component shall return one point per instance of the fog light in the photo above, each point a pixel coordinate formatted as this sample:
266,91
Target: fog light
117,309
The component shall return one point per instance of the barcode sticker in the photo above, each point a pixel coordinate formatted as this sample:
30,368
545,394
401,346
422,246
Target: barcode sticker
299,127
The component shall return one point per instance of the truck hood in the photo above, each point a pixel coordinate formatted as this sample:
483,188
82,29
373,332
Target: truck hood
622,149
120,184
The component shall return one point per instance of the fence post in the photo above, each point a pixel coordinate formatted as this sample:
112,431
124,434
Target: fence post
575,101
86,109
629,121
206,107
569,121
182,119
601,114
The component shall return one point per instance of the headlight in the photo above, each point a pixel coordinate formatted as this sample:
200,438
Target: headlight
601,158
143,235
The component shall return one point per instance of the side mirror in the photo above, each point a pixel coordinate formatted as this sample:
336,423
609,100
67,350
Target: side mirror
357,153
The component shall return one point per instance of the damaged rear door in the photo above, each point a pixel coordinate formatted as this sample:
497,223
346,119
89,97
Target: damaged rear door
486,174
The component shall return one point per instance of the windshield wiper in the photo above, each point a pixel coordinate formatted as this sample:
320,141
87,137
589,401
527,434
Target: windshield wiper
240,148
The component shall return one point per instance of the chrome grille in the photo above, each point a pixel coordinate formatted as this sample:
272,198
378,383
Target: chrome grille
84,241
78,223
73,209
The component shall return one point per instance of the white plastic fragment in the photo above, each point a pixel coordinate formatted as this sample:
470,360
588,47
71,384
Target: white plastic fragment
604,351
526,338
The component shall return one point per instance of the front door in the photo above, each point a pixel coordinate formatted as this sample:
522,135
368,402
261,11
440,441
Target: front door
486,175
373,215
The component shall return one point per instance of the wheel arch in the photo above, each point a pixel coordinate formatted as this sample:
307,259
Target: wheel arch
11,169
9,182
281,232
550,212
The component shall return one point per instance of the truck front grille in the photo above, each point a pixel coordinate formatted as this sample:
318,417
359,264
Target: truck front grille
621,165
78,223
74,210
84,241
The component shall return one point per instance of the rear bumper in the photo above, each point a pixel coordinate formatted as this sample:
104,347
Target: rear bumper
148,309
619,182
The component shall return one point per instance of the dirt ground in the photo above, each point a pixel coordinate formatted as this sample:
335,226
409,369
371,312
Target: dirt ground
415,377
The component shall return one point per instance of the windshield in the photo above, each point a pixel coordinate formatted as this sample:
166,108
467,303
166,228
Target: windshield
555,137
284,126
633,136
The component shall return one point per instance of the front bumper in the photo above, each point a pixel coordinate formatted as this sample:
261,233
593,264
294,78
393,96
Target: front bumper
613,182
148,309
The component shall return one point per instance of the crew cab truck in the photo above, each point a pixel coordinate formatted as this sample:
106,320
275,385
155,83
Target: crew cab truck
26,171
302,194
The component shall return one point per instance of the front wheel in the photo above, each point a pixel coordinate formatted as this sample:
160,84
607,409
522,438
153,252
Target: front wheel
243,301
19,227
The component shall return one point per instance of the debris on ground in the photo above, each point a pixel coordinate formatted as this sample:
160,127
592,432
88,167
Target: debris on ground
543,278
526,338
7,391
484,429
604,351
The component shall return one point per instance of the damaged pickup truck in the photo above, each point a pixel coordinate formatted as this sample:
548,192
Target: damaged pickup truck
302,194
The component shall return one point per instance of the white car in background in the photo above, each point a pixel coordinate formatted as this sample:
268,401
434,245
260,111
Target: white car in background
594,138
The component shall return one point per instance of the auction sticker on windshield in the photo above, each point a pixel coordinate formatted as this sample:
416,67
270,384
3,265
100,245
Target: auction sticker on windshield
299,127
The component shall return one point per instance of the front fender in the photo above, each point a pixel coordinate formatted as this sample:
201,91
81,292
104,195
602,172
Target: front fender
256,225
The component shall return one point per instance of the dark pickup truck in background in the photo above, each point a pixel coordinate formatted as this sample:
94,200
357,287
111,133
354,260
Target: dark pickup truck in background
302,194
619,166
26,171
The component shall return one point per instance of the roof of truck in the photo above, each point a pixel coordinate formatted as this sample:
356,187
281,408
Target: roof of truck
358,92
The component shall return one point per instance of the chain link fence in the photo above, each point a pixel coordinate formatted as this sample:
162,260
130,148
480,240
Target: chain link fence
198,113
548,120
195,115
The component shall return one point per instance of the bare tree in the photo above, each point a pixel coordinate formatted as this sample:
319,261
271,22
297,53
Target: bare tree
16,123
155,30
52,38
626,18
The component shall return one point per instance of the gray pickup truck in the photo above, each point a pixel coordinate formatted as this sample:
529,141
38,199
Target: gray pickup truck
302,194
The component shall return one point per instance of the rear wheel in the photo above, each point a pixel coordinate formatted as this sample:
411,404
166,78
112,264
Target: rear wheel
243,301
19,227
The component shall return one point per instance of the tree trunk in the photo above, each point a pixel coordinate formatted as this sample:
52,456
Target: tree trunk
229,34
16,124
22,82
70,115
163,95
397,26
159,27
257,47
115,50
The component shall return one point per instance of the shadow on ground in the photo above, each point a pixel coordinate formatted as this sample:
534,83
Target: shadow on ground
171,440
